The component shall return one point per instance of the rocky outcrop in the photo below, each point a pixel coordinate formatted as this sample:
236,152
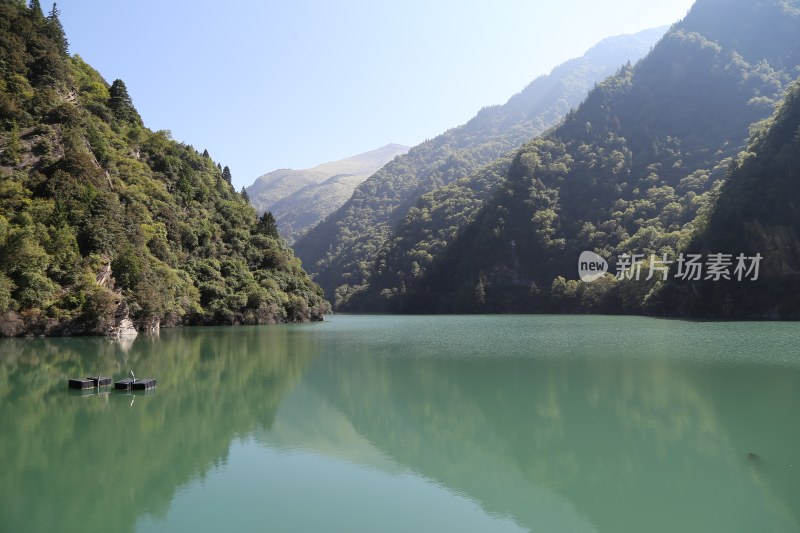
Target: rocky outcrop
123,325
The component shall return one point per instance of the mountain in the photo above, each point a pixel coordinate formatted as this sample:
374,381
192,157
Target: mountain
342,250
300,199
105,224
636,169
757,213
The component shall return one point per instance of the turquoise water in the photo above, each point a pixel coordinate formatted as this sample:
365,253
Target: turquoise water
478,423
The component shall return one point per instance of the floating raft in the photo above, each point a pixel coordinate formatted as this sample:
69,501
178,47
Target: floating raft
124,384
144,384
89,383
135,384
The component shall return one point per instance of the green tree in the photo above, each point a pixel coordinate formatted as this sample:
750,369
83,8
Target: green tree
12,149
6,289
267,225
121,104
36,10
226,174
55,31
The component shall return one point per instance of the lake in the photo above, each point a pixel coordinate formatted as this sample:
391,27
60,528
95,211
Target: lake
387,423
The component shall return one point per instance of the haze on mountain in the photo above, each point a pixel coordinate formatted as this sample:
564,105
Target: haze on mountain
300,199
636,169
342,250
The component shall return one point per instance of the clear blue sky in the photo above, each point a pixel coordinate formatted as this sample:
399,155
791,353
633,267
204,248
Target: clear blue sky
294,83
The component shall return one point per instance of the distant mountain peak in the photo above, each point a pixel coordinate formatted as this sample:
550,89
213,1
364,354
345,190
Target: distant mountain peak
609,48
300,199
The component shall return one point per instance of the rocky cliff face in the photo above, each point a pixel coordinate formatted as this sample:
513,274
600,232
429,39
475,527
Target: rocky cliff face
124,326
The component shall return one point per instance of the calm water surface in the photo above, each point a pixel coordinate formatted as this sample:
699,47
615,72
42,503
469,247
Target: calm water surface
501,423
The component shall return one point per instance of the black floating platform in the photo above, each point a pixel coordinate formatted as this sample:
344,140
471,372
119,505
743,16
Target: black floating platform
81,384
89,383
135,384
100,381
124,384
144,384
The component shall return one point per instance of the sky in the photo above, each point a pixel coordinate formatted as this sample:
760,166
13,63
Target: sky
265,85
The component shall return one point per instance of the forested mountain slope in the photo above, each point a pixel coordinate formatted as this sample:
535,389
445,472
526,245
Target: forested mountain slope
757,214
634,169
343,248
101,218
